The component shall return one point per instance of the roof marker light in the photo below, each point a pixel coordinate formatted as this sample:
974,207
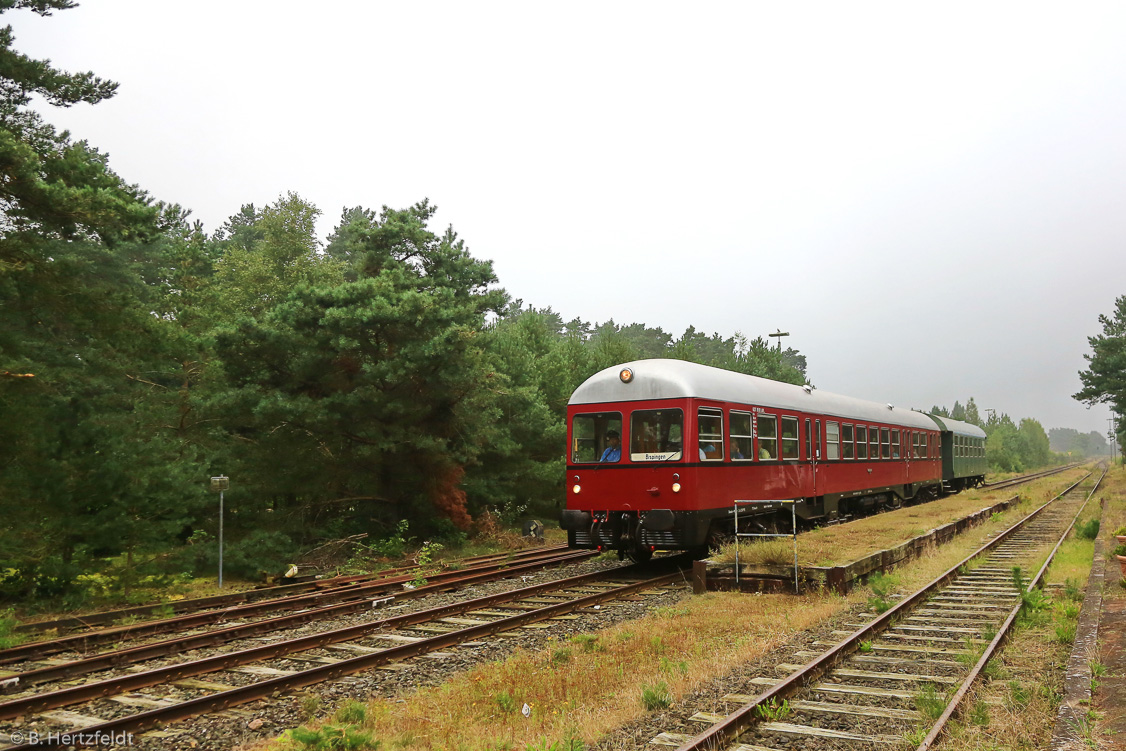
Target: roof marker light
626,375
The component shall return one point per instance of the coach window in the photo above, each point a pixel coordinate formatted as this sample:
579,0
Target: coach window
846,442
873,442
656,435
741,436
591,434
917,445
808,450
895,444
832,441
710,433
885,443
767,426
789,438
861,441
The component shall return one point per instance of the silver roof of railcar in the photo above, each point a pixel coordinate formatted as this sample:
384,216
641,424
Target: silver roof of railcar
957,427
677,379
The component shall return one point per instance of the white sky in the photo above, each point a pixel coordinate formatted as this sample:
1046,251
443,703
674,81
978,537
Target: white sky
928,198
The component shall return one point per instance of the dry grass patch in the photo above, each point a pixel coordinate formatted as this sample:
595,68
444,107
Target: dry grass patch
586,686
844,543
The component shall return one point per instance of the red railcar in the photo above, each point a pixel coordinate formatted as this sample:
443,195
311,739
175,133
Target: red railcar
660,450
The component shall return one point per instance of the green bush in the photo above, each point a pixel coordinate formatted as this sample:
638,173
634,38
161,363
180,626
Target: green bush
1088,531
258,554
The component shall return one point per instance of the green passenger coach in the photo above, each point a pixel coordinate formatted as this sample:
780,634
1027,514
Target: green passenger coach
963,454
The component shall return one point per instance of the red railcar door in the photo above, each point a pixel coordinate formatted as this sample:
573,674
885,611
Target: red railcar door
819,479
908,449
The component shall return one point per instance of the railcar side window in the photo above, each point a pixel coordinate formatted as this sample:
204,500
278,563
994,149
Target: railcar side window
895,444
767,436
789,438
846,442
592,436
874,442
832,440
656,435
808,438
885,443
861,441
741,436
709,426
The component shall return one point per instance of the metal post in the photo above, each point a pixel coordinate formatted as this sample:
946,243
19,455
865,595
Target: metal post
220,539
794,529
218,485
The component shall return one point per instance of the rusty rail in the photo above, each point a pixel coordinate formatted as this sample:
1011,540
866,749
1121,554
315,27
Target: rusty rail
243,694
361,593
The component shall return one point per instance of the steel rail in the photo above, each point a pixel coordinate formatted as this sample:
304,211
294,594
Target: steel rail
269,687
1027,478
254,595
1002,632
154,650
361,592
738,722
124,683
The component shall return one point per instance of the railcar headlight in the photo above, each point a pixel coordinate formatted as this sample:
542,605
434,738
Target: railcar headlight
575,489
676,487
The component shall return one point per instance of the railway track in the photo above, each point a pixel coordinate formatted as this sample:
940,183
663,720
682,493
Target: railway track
114,703
282,593
355,596
862,691
1027,478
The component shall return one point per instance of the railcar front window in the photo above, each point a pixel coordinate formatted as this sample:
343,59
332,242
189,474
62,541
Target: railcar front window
709,427
596,438
741,436
767,437
861,441
789,438
656,435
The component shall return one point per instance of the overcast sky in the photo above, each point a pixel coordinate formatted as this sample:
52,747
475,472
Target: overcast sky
929,198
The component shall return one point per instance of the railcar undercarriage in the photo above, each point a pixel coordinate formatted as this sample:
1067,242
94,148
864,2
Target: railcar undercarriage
637,535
